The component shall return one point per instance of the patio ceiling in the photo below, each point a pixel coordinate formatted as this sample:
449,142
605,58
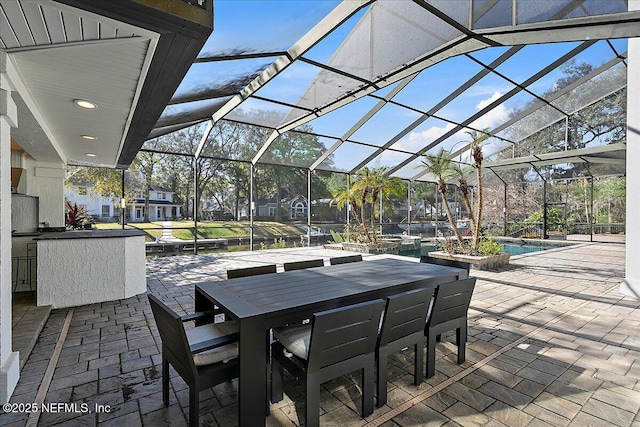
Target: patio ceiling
110,53
382,82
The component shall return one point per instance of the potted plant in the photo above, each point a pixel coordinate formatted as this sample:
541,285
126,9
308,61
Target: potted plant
76,218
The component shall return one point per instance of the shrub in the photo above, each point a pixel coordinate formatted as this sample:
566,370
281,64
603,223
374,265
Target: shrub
489,247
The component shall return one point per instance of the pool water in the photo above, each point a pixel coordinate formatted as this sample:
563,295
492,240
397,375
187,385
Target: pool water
513,249
522,249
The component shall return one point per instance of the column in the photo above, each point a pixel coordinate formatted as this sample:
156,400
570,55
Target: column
9,362
631,284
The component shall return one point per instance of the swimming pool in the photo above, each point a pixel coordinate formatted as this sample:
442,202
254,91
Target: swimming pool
522,249
510,248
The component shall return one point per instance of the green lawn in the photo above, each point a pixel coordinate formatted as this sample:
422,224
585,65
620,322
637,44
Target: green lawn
212,229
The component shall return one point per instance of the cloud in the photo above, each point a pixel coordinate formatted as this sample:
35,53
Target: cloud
418,140
493,118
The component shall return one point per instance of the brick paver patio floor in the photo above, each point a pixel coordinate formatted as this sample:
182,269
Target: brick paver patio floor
551,342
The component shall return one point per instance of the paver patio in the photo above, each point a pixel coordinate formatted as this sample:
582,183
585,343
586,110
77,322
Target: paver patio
551,342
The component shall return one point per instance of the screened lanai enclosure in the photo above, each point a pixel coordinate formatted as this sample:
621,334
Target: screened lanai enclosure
289,103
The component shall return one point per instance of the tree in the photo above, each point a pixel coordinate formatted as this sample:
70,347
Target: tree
461,174
344,196
143,167
383,187
369,186
440,166
425,192
295,149
589,123
476,152
106,183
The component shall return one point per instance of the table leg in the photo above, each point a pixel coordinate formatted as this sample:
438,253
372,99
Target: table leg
202,303
252,384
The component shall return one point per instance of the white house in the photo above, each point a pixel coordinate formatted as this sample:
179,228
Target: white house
293,208
161,204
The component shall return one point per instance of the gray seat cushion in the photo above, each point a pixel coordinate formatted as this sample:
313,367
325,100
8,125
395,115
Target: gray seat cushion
207,332
295,339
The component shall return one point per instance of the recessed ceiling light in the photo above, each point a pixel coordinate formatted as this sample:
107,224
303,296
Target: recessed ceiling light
85,104
89,137
90,154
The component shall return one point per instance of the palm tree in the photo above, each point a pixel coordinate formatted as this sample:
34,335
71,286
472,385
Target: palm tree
362,187
346,196
440,166
369,187
476,152
461,174
382,186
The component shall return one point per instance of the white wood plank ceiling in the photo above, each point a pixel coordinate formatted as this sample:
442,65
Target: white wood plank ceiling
60,54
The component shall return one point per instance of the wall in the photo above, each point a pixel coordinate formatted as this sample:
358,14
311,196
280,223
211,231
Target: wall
631,284
45,181
9,360
79,271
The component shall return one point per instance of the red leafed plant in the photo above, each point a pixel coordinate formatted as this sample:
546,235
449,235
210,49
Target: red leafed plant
76,217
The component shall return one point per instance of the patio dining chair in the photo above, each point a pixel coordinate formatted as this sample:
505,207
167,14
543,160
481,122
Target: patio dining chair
337,342
299,265
447,263
449,311
345,259
203,356
251,271
402,326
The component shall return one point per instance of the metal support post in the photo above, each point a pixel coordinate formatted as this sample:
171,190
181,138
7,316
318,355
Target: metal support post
195,205
504,209
251,207
408,208
123,205
380,233
309,207
435,232
591,209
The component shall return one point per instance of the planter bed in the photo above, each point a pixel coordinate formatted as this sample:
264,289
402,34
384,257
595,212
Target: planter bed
484,262
373,248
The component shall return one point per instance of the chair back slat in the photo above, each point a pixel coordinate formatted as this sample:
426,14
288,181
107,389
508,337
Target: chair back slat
451,301
251,271
299,265
172,333
446,262
345,259
405,314
344,333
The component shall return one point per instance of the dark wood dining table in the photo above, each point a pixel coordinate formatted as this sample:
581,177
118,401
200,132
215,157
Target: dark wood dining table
260,303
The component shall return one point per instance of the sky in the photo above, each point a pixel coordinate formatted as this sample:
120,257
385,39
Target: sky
254,26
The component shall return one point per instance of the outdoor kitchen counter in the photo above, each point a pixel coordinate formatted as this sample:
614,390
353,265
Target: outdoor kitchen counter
90,266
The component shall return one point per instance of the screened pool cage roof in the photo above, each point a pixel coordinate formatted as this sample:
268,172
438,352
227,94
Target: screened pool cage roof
381,83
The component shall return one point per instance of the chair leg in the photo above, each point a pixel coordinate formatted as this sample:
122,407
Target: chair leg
367,389
461,339
418,372
165,381
312,403
268,374
276,382
431,355
194,406
381,380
